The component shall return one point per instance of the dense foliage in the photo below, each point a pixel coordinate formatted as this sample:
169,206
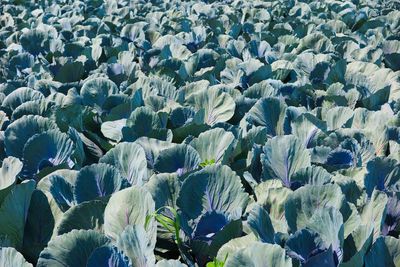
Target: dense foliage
190,133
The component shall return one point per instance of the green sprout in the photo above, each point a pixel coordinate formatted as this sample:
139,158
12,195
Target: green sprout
172,225
207,163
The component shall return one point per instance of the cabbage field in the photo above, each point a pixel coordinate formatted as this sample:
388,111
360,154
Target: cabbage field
172,133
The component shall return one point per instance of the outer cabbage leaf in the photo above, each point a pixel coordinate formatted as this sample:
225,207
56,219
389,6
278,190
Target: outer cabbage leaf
272,195
260,224
14,212
11,257
374,213
306,127
97,180
130,160
20,96
164,189
145,122
18,133
130,206
328,223
47,150
214,145
136,243
170,263
86,215
259,255
40,107
305,201
283,156
218,105
268,112
337,117
215,188
356,246
152,148
95,91
71,249
9,170
39,226
384,252
179,159
304,244
108,255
